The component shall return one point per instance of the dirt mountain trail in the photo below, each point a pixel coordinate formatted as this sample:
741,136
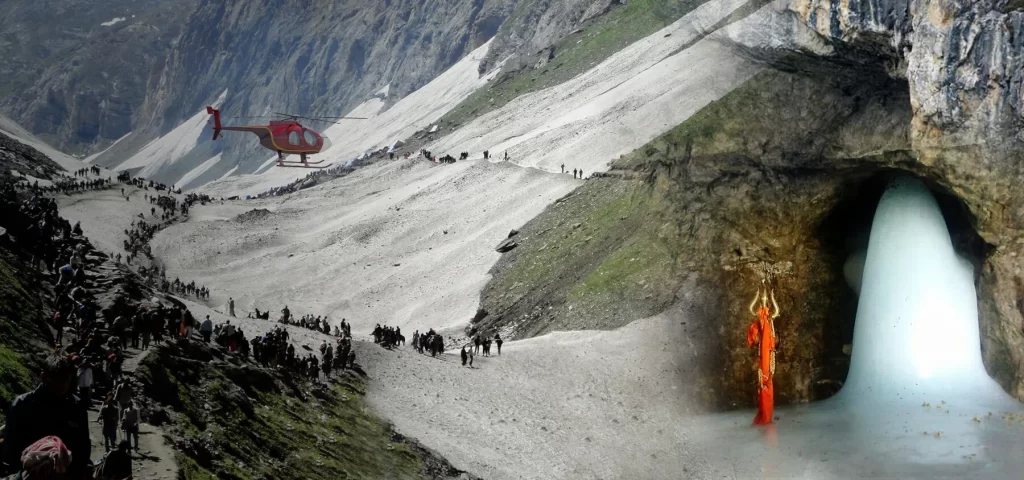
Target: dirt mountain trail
585,404
105,214
155,458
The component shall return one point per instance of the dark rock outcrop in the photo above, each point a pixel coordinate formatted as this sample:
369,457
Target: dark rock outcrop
506,245
963,60
24,160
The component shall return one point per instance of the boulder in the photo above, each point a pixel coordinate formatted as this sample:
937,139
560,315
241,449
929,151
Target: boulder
507,245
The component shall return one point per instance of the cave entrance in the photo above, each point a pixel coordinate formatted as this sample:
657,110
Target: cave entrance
845,231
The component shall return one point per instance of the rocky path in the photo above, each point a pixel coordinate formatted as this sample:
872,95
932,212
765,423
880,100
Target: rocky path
155,458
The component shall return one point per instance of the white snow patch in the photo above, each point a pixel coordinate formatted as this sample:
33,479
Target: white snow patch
92,157
171,147
114,21
439,223
384,92
196,172
31,179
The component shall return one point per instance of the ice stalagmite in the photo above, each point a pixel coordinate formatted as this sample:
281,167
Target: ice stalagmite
917,402
916,333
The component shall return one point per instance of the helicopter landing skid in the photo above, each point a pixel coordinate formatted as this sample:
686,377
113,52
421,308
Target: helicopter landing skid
301,165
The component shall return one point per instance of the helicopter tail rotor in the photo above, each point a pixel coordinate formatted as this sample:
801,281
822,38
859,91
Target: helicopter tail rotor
216,121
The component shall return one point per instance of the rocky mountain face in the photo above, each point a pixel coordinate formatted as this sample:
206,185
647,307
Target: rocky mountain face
779,180
75,71
535,25
963,60
18,160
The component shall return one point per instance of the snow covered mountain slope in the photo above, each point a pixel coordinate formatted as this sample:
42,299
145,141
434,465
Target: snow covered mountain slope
352,138
620,104
633,96
163,157
407,242
343,219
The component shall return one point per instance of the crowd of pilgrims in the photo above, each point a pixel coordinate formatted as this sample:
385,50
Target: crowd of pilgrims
141,232
139,182
46,425
137,239
67,185
51,422
391,337
307,321
273,349
448,159
310,179
37,225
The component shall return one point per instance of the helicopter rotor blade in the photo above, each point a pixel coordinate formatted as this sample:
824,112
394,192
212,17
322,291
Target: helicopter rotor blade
325,118
319,120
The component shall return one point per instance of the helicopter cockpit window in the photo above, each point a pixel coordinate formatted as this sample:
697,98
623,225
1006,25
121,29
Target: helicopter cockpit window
310,138
293,137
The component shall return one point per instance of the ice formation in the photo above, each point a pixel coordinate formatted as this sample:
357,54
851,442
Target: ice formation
917,402
916,333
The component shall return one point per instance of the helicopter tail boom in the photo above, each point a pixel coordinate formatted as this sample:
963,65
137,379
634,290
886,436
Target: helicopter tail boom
216,121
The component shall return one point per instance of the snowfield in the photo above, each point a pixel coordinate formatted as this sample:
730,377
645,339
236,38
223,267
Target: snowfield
406,242
164,151
620,104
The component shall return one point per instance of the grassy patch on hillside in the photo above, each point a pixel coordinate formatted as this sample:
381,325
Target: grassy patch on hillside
14,308
567,235
574,54
243,422
627,272
603,251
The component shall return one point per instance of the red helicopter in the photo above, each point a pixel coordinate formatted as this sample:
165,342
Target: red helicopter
284,136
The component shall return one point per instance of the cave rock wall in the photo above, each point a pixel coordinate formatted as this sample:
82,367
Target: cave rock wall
963,60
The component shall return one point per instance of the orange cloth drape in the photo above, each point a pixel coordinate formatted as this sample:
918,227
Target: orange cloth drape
762,331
